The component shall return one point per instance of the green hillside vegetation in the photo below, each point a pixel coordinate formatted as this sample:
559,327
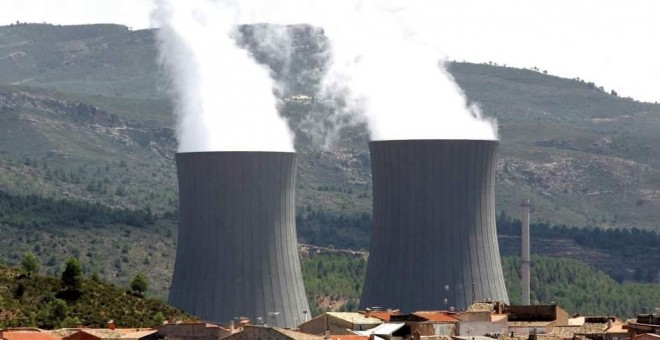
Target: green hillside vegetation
87,59
577,287
119,242
40,212
333,281
625,254
43,301
113,242
87,147
583,156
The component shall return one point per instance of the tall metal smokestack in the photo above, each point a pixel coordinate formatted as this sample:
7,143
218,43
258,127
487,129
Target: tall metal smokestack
433,226
525,265
237,250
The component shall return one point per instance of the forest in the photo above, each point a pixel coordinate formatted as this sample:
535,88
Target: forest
334,279
575,286
40,212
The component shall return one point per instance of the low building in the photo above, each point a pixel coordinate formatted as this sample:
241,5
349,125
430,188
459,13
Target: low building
339,323
530,327
26,334
480,322
646,336
386,331
381,314
535,319
272,333
426,323
113,334
192,331
645,323
592,327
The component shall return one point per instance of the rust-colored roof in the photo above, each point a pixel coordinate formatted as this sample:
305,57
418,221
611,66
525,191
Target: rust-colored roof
28,335
383,315
436,316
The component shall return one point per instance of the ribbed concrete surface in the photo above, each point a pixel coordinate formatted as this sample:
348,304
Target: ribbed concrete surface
433,226
237,250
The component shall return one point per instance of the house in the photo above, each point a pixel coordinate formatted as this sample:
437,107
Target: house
426,323
339,323
480,322
26,334
386,331
272,333
646,336
645,323
113,334
592,327
381,314
534,319
192,331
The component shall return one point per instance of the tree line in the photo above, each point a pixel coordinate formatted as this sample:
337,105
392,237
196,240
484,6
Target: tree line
43,212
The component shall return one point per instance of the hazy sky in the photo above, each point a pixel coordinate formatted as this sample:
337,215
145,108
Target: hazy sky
614,43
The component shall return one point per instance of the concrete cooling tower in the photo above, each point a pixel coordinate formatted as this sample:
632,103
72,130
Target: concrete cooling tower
237,251
434,243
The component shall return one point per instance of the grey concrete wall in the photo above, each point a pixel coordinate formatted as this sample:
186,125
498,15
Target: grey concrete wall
237,248
433,226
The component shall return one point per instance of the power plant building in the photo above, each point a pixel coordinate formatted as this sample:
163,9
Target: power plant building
434,242
237,251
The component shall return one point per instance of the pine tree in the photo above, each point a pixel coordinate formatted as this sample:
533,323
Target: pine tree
30,264
72,278
139,284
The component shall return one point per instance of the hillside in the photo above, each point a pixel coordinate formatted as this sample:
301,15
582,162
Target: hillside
42,301
334,282
583,156
85,118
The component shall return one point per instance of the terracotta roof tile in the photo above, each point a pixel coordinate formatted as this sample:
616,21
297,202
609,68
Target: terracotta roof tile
436,316
28,335
383,315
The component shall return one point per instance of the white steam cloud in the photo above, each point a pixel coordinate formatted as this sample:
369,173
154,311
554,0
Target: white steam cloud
385,70
224,99
386,67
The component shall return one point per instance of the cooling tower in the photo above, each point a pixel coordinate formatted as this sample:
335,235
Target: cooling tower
433,243
237,250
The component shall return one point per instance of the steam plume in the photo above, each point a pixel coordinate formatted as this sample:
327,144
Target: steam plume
386,68
224,99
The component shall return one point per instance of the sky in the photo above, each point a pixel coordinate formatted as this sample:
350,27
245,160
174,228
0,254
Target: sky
613,43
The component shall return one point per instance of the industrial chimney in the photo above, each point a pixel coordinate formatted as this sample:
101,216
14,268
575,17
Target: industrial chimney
433,225
526,261
237,250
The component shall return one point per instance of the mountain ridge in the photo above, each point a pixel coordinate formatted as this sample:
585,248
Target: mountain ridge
84,115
